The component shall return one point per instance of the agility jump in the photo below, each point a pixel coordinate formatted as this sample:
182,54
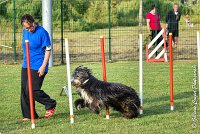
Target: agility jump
163,53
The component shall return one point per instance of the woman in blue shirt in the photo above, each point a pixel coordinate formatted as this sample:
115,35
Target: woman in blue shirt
40,49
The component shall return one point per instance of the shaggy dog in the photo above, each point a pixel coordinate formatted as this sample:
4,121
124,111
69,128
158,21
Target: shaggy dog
95,94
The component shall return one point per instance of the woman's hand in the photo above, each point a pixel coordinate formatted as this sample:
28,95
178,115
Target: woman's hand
41,71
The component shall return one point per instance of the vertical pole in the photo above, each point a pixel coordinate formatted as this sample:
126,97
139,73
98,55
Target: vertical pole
198,52
14,14
109,31
69,81
141,58
47,23
171,73
141,75
140,18
104,68
165,45
30,90
61,10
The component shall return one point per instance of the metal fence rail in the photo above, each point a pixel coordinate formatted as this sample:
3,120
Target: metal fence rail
117,21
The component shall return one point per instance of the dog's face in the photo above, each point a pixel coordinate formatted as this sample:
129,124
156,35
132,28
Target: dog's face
81,74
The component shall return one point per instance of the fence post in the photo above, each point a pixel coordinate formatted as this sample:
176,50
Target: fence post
109,32
14,26
61,9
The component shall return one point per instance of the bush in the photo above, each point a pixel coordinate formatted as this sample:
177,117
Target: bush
79,25
86,15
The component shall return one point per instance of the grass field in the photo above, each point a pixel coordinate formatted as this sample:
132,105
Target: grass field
157,117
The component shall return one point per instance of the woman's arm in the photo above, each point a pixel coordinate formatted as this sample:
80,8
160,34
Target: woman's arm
44,64
148,25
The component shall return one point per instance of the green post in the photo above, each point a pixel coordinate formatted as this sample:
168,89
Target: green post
109,31
61,18
14,14
155,2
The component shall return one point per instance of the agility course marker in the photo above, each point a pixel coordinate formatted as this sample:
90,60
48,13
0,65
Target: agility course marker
162,53
104,69
171,73
140,74
30,84
69,80
198,52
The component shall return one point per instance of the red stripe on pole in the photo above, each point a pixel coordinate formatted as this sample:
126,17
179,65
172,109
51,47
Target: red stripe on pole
29,81
171,73
104,68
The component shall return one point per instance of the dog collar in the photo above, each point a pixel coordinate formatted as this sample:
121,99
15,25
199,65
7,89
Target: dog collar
85,81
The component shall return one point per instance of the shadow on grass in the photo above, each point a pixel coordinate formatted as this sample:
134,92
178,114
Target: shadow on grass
180,105
182,95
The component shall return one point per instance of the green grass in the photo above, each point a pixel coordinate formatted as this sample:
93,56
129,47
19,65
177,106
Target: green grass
157,117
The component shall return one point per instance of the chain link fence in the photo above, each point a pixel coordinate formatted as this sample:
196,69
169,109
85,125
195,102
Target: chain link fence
83,22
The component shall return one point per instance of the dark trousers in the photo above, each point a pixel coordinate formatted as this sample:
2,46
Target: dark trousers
38,94
153,35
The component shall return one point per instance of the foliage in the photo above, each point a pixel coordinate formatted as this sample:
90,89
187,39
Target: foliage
93,14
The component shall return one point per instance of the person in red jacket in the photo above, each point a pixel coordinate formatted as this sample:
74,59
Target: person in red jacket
153,23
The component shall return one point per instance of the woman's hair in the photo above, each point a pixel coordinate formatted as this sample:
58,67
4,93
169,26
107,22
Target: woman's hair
27,18
176,4
153,6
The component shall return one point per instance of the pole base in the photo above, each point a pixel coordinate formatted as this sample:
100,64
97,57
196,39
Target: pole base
107,117
172,108
141,112
72,120
33,126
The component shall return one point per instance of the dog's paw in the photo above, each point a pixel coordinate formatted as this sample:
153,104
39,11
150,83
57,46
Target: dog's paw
79,107
79,104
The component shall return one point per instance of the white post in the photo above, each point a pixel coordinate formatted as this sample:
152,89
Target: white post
69,81
198,52
140,74
47,23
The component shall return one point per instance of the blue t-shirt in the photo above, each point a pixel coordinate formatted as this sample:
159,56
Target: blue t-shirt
38,40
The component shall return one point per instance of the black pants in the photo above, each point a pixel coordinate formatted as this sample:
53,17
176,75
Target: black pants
175,33
38,94
153,35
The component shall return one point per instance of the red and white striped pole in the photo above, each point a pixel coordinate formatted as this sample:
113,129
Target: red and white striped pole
104,68
30,84
171,73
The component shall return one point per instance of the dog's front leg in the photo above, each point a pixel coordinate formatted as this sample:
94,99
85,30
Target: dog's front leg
95,107
79,103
